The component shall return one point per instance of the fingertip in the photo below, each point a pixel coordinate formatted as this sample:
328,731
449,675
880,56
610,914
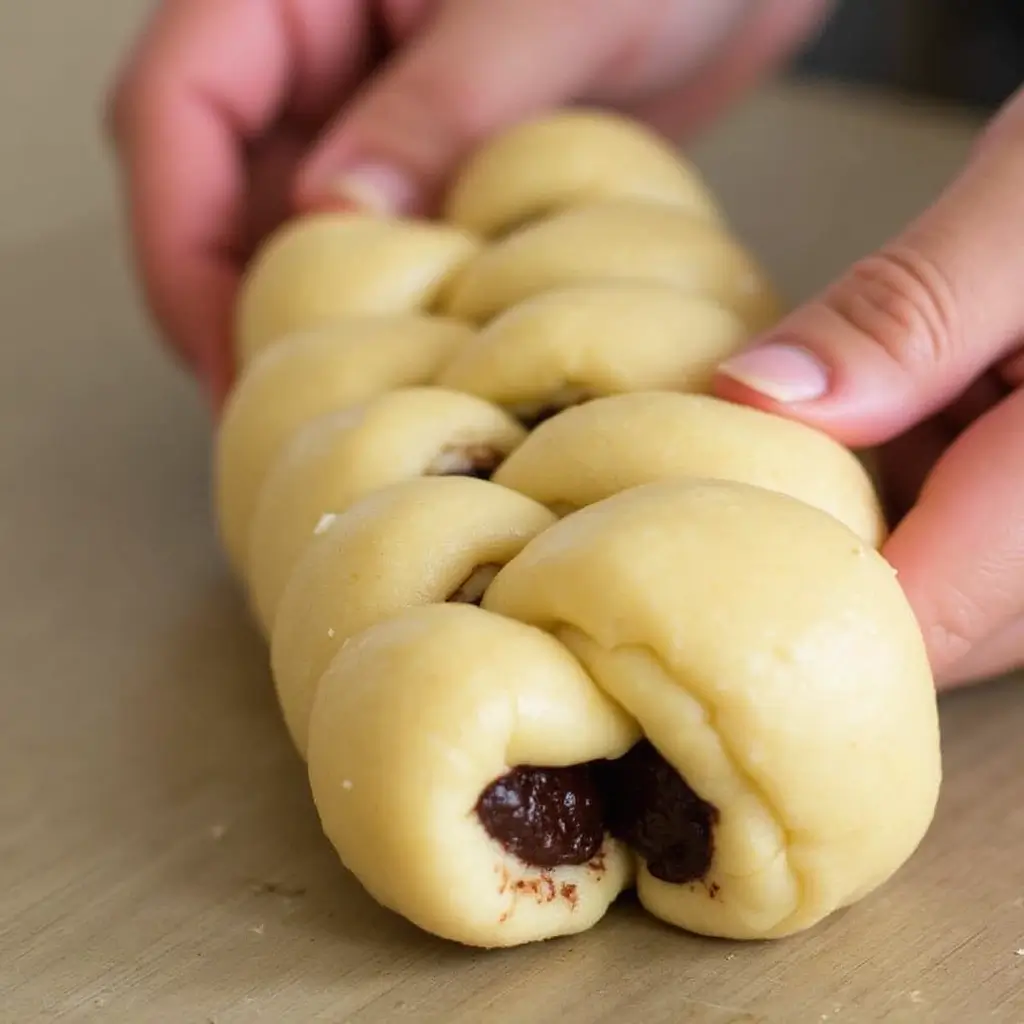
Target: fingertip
371,187
776,372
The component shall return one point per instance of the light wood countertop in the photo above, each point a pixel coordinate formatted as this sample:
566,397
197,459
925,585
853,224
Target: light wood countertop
160,859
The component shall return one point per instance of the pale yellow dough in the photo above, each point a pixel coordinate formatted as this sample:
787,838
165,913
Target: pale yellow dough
421,541
568,158
340,457
614,240
772,658
304,376
607,445
324,267
596,339
415,717
714,584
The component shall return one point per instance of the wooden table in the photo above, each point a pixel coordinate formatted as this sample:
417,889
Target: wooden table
160,859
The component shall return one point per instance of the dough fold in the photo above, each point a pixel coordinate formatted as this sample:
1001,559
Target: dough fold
421,541
608,241
611,444
304,376
415,718
771,658
567,345
569,158
325,267
343,456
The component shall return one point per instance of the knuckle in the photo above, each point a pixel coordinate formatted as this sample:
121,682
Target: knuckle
903,302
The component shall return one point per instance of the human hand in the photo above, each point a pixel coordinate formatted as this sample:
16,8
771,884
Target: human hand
232,115
919,348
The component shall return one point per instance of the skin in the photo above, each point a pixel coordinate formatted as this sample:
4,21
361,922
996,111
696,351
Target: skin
231,115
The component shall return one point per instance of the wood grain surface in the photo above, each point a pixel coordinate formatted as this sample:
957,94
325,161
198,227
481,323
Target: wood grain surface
160,859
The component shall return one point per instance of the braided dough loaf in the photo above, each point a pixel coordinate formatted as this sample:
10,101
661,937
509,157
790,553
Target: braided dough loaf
546,619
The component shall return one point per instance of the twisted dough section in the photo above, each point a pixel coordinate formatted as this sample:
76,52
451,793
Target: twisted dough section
571,158
568,345
487,771
338,458
612,444
327,267
614,240
771,657
423,541
414,719
307,375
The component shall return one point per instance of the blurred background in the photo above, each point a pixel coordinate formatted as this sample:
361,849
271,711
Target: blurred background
965,51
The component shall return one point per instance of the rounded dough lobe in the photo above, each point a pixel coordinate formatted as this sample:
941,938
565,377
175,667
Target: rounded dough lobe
614,240
323,267
415,718
608,445
303,377
432,539
341,457
571,344
772,659
565,159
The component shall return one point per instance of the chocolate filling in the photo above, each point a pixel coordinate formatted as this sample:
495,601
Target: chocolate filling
476,460
546,817
650,807
549,817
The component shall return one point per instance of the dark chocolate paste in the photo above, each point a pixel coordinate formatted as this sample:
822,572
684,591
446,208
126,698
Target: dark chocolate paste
549,817
649,806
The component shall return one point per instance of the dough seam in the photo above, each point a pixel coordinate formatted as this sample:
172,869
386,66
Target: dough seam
745,779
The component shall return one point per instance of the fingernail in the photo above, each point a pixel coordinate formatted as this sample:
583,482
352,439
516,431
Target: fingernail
376,188
784,373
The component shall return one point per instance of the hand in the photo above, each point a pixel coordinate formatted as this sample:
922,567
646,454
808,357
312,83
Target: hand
233,114
920,348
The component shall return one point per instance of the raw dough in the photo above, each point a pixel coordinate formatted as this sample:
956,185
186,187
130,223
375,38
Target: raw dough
325,267
304,376
614,240
772,658
566,345
425,540
340,457
569,158
419,714
610,444
707,679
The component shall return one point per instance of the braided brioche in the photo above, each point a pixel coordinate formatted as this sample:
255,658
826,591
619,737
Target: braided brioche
546,619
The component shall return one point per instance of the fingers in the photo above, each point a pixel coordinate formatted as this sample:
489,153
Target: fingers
770,34
472,70
960,551
909,327
206,80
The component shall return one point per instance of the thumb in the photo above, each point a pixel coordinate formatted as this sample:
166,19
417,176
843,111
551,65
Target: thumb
907,329
472,70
